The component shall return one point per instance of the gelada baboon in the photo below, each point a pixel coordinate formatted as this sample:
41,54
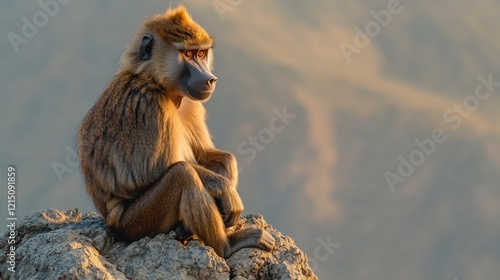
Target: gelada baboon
147,158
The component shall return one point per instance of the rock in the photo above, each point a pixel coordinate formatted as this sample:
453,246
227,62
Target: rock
54,244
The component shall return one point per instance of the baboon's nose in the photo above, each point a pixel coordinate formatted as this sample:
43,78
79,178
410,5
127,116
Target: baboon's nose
211,82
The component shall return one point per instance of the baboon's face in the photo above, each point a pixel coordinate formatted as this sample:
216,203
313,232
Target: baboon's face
196,80
179,52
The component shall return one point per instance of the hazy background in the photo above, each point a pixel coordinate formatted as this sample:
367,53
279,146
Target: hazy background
322,177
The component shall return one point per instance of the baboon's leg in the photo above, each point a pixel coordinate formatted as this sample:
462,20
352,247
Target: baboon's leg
178,195
157,209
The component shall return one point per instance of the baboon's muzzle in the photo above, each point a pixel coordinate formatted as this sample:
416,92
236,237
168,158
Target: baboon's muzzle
198,81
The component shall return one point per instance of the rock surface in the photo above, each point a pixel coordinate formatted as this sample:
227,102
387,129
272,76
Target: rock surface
54,244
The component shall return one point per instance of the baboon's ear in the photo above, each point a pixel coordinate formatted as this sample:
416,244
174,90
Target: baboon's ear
146,50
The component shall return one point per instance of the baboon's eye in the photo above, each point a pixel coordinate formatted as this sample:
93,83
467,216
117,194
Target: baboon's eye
188,53
202,53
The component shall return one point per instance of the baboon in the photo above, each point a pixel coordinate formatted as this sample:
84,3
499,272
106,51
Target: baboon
146,154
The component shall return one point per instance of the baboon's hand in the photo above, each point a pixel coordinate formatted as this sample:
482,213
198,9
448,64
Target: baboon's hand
232,207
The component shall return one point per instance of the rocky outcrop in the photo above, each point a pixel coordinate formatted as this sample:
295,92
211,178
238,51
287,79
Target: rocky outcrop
54,244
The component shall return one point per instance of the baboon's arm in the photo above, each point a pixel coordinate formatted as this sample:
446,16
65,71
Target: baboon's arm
223,191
